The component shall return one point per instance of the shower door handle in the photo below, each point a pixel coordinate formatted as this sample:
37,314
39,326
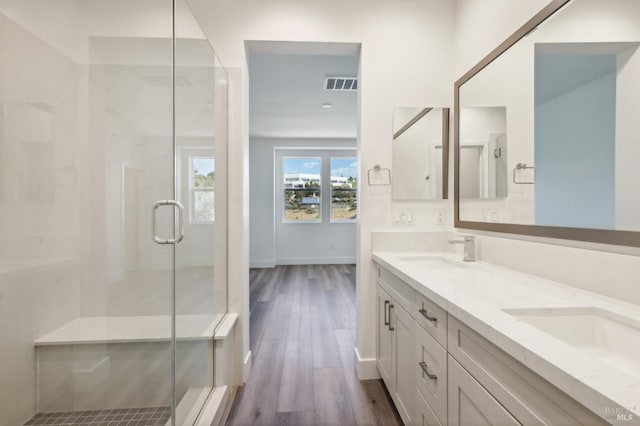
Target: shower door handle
154,215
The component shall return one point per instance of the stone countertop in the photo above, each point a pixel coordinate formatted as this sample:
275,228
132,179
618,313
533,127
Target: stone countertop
477,293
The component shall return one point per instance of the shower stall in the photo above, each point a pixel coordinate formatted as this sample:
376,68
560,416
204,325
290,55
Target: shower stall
113,199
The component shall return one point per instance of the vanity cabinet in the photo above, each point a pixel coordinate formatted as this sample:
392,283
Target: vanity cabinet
527,396
439,371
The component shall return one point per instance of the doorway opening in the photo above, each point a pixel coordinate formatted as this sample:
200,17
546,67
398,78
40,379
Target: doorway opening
303,153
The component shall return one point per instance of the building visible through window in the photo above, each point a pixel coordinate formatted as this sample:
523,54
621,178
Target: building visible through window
344,188
302,184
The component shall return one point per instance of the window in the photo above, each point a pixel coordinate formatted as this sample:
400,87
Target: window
302,189
202,189
344,188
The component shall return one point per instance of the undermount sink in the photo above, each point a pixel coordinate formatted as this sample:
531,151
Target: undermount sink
432,262
603,334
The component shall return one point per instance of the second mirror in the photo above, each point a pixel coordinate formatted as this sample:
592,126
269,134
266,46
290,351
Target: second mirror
420,153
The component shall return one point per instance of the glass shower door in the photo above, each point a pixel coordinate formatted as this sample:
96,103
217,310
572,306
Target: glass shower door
86,149
126,286
109,111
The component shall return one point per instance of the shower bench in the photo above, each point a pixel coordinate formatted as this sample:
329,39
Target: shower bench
125,361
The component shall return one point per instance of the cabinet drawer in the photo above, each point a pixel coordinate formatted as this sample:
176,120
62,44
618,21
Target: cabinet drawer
431,372
424,414
528,397
432,318
398,289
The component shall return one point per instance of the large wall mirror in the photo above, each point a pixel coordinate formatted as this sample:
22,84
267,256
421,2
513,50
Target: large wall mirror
420,153
547,135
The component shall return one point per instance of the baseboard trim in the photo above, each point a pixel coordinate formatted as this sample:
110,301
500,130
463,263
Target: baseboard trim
246,367
316,261
268,263
366,368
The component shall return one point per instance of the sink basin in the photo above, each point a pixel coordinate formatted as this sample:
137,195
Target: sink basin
603,334
431,262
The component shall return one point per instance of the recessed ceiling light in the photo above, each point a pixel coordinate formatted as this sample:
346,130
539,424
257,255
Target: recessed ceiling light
327,105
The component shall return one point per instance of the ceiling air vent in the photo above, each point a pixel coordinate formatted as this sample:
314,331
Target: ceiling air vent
341,84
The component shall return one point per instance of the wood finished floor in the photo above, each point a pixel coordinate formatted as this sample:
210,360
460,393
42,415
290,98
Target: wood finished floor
302,332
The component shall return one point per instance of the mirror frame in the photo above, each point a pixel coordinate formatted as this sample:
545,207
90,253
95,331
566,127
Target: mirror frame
446,113
602,236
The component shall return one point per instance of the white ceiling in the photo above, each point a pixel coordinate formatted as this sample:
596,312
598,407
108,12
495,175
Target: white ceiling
286,91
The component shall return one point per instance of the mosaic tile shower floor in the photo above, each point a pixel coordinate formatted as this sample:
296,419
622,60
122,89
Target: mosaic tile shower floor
118,417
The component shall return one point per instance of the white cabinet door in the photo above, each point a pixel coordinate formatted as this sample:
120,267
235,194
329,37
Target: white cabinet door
384,338
424,414
403,357
470,403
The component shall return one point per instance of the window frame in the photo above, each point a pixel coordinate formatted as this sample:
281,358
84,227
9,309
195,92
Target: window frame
282,190
192,191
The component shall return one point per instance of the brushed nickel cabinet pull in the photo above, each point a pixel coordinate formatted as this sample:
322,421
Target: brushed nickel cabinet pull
386,304
425,314
425,370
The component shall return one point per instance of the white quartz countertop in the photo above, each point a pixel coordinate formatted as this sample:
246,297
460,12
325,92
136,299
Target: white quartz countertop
477,292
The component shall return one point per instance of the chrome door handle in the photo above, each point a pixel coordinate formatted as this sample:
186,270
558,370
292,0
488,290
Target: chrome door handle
425,370
425,314
386,321
154,215
390,308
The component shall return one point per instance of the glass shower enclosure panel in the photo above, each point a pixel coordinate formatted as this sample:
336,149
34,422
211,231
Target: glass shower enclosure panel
105,119
201,161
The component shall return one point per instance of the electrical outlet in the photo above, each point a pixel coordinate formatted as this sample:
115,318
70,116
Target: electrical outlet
439,218
403,218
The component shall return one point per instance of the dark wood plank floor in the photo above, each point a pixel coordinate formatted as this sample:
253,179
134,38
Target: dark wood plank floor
302,334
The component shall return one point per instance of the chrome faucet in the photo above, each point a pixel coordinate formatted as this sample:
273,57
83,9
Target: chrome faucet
469,242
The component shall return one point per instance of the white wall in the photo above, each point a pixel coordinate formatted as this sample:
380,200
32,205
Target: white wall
275,243
406,59
480,26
